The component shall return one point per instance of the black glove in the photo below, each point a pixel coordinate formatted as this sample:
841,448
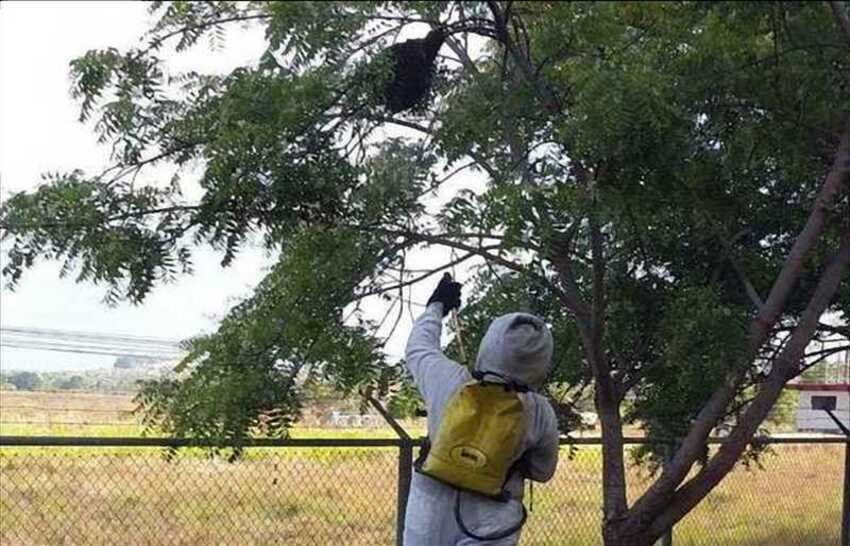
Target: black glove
447,293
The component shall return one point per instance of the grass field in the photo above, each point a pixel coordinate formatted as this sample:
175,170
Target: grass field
317,496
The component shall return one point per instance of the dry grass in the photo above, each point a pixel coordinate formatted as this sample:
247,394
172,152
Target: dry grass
794,500
65,413
304,496
142,499
323,496
65,408
86,401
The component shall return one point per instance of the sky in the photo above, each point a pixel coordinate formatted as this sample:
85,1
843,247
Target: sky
40,132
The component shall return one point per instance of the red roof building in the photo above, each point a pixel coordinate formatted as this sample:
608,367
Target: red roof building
831,390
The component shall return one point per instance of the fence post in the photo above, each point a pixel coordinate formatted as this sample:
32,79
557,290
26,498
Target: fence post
845,509
405,472
845,512
405,467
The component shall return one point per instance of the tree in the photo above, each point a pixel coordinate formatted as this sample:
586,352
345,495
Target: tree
131,362
4,382
74,383
25,381
666,183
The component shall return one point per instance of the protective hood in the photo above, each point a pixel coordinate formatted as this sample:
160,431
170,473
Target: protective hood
519,347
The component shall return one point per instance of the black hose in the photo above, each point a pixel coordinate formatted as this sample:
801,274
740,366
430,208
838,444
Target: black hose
498,535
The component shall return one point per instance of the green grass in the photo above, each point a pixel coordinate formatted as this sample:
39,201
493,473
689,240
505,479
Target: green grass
97,431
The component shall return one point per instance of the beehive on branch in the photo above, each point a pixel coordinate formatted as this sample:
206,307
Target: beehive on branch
412,71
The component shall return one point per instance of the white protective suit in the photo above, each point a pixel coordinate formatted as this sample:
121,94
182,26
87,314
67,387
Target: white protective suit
518,346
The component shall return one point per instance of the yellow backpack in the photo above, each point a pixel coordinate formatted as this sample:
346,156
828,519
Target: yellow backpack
478,440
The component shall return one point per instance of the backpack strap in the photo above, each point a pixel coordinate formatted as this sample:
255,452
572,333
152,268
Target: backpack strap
479,375
424,449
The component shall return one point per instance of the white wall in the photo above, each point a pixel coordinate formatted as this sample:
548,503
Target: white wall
819,420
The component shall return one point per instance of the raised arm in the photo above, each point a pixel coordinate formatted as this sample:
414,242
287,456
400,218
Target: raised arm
424,340
427,364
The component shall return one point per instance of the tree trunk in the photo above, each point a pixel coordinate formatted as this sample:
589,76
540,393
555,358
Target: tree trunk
625,534
613,470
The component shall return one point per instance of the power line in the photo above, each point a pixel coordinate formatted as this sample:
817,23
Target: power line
103,351
92,337
69,341
81,334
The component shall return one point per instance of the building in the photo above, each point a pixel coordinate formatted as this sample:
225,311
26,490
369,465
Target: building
815,395
829,389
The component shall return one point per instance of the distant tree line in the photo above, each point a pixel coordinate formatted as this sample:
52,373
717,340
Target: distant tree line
93,380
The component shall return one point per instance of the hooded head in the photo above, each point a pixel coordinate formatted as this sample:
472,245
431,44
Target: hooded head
519,347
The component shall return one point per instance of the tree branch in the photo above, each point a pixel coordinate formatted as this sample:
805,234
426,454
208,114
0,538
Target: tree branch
137,166
547,96
839,330
822,355
839,11
827,352
742,276
445,240
117,217
436,239
418,278
401,123
156,42
477,158
570,294
656,497
691,493
599,303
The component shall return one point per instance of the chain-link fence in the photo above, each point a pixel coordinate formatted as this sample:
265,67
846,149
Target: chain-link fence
317,492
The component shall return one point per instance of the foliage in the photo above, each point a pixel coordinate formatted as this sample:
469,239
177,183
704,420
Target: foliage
26,381
98,380
697,336
784,413
75,382
241,379
645,169
405,402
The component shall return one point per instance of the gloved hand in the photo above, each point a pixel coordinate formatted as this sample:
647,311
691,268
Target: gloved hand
447,293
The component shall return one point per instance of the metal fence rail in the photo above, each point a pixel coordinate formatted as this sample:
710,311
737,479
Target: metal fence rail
61,490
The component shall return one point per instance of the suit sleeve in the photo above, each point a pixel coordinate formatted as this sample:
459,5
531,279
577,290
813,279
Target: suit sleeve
430,368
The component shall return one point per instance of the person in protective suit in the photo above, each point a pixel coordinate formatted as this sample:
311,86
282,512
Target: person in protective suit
516,349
